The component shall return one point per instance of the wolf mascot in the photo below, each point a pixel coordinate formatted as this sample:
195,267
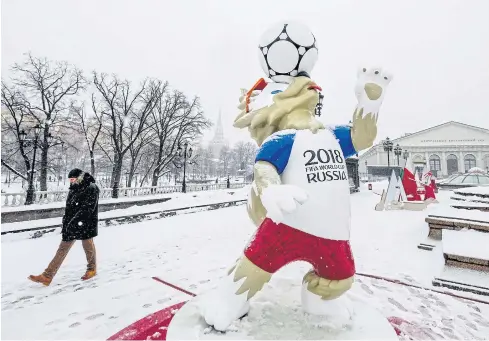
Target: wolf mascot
300,195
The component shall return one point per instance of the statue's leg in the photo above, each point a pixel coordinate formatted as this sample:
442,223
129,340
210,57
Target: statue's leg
264,255
332,276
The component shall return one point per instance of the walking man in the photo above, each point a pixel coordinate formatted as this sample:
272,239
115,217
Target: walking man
80,222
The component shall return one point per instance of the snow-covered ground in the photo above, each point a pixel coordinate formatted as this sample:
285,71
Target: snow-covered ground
194,250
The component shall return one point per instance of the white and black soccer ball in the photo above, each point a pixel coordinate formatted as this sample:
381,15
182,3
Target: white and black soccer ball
286,49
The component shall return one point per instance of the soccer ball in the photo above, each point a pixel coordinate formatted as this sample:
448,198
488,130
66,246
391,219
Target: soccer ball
286,49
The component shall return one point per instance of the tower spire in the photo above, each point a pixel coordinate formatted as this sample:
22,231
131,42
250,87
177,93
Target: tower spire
218,141
219,132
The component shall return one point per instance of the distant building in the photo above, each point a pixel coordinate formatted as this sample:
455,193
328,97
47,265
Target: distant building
218,141
444,149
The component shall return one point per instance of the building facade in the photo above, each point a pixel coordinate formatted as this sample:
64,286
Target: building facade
444,149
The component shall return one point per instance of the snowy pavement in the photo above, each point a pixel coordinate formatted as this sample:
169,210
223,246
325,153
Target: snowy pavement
194,250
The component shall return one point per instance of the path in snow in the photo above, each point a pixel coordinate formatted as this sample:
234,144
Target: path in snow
193,251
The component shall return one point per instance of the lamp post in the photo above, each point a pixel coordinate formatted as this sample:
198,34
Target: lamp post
319,105
405,156
29,198
387,144
366,167
397,152
186,152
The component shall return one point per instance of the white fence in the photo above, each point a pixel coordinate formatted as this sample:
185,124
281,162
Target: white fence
46,197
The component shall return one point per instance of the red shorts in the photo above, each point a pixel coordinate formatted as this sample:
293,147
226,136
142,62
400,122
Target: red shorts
276,245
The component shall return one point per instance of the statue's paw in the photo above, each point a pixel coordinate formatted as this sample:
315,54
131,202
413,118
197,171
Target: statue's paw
370,88
280,199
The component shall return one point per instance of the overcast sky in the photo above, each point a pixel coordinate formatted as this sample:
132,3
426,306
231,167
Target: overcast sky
437,50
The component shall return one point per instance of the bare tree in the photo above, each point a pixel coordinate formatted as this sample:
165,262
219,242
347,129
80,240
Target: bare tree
91,127
244,154
137,152
225,159
126,111
176,119
47,88
14,119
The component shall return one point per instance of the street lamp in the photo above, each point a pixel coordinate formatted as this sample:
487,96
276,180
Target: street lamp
405,155
186,152
397,152
29,198
387,144
319,105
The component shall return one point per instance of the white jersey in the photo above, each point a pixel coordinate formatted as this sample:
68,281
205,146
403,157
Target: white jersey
316,163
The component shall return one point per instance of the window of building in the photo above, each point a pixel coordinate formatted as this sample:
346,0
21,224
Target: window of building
469,162
435,164
452,164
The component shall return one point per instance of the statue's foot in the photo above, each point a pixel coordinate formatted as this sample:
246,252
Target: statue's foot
335,312
221,306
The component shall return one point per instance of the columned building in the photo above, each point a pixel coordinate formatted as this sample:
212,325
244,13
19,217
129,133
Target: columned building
444,149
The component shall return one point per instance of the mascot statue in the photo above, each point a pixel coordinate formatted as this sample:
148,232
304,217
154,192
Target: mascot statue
300,198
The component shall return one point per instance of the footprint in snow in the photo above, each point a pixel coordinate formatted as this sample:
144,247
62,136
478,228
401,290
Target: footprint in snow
476,308
54,322
397,304
447,322
378,286
25,298
93,317
74,325
426,302
424,311
449,333
482,322
441,304
147,305
163,300
204,281
413,291
366,289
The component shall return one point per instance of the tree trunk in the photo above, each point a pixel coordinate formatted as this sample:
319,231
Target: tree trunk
116,176
43,177
154,179
156,172
131,171
92,163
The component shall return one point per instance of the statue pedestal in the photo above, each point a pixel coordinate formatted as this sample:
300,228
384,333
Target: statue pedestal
276,314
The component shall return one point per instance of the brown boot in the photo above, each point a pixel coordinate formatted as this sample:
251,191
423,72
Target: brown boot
89,274
41,279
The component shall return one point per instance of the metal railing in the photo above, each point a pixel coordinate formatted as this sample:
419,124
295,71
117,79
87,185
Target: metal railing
47,197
